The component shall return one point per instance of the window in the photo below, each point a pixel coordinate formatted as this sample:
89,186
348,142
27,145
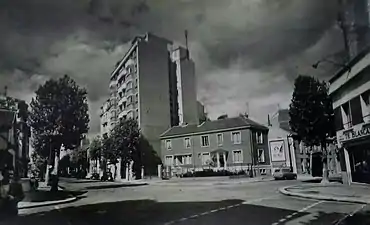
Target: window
169,160
205,157
236,137
168,145
183,160
346,115
356,111
187,142
259,137
204,141
220,139
237,156
365,106
137,98
261,155
338,119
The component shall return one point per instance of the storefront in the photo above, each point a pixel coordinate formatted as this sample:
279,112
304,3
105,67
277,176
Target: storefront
356,146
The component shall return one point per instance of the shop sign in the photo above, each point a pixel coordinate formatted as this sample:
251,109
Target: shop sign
364,131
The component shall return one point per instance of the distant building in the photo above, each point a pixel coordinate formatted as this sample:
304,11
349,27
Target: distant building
287,150
350,92
282,144
201,112
20,130
230,144
107,120
155,84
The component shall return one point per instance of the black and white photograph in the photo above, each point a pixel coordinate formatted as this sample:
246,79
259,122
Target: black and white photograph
185,112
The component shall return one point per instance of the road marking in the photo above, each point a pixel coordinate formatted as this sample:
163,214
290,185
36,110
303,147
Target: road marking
217,210
296,213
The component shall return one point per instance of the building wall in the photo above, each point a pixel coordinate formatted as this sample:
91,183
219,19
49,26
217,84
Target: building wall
201,111
183,73
154,93
248,143
351,96
189,93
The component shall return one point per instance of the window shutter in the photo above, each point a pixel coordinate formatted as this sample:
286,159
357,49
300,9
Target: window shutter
338,119
356,111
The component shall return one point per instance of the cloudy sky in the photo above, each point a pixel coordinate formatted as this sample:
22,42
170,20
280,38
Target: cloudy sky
245,50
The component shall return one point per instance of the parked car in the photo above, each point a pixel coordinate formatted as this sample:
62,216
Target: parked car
284,174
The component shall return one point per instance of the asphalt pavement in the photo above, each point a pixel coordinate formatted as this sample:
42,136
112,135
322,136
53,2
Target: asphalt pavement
250,203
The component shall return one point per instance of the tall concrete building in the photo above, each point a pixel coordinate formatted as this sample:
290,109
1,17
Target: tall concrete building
155,84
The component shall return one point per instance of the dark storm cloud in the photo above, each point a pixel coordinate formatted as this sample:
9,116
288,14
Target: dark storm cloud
237,44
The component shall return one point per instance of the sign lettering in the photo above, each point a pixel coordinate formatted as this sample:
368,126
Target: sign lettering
357,133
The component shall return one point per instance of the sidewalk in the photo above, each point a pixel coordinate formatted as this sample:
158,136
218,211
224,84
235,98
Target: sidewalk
85,184
330,192
207,181
43,197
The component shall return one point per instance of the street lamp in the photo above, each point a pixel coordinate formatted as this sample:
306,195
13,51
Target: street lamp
316,65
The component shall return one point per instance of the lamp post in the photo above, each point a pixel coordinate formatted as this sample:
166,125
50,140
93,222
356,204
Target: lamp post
316,65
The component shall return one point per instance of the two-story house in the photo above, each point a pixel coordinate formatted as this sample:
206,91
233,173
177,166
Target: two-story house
232,144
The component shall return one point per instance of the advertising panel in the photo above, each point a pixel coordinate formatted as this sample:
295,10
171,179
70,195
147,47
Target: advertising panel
277,151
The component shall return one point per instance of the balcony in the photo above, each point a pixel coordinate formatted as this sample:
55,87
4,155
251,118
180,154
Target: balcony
130,62
122,87
113,84
121,75
122,100
122,114
129,77
129,92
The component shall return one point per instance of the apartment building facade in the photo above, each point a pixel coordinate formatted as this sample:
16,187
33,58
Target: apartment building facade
155,84
350,91
232,144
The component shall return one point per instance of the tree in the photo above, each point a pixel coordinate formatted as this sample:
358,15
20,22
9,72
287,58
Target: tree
79,161
126,136
311,115
95,149
59,115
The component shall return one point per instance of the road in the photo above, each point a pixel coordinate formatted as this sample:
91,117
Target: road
257,203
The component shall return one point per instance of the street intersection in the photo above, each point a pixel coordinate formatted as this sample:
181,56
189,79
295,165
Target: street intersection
237,203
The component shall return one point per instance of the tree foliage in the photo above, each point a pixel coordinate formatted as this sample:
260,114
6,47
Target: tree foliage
95,148
125,136
60,105
311,112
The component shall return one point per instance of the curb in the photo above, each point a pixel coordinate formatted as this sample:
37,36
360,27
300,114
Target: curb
49,203
284,191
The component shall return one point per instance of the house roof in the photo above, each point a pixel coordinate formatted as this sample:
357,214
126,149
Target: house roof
212,126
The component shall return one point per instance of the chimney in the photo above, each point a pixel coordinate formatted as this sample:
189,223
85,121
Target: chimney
268,120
